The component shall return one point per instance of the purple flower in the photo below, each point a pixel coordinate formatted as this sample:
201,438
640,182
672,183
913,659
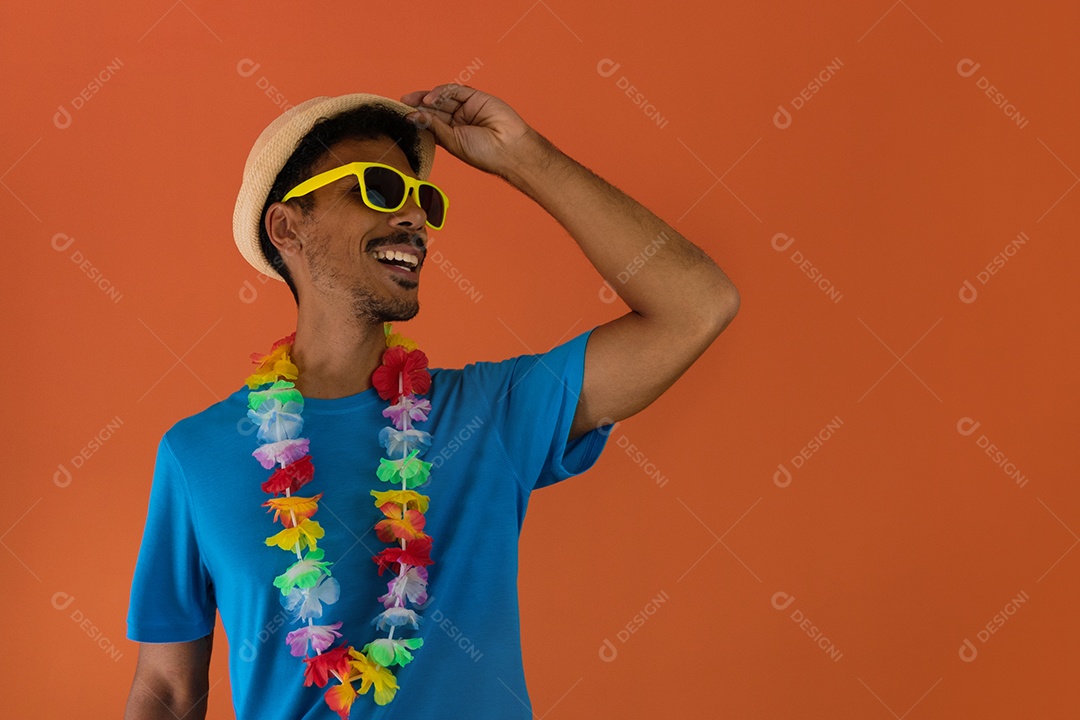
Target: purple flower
284,452
411,585
320,636
410,406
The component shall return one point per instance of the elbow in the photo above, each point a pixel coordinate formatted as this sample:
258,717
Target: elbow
163,702
703,312
725,309
732,303
706,320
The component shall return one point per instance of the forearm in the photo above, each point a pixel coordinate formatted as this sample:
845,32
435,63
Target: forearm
655,270
143,703
172,680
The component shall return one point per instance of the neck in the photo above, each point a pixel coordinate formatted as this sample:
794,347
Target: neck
334,356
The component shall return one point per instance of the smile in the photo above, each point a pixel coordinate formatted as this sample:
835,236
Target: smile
396,258
398,263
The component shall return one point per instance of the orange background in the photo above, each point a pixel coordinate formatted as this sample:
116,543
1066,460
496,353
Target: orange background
899,180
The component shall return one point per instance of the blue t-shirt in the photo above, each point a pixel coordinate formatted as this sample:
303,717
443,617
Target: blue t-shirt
498,430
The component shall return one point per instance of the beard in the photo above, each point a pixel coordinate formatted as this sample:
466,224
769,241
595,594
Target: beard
371,308
367,305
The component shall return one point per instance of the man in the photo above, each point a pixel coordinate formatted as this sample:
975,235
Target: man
531,420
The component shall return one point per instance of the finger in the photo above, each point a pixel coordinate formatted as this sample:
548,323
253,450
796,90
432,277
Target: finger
414,97
443,103
422,116
446,90
451,93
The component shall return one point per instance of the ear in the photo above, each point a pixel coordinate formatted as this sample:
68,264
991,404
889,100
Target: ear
283,223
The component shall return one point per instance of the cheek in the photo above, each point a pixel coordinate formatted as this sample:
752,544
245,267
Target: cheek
362,221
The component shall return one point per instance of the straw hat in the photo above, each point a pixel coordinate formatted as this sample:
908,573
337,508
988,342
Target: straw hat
276,144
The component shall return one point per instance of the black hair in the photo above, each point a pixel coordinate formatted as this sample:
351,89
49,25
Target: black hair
368,122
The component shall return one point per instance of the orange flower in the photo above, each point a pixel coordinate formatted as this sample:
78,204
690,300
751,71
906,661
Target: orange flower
340,698
397,525
287,507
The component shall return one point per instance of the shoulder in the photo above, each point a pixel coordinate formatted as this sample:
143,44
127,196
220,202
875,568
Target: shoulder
224,418
562,351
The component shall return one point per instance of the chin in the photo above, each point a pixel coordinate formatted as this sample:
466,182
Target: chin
377,307
408,314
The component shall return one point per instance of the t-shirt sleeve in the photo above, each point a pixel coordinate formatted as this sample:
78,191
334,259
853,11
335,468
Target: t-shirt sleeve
172,596
533,399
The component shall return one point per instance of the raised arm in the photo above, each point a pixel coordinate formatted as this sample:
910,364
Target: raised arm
679,299
172,680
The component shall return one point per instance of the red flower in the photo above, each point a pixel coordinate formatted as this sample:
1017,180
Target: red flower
293,476
409,365
320,667
417,552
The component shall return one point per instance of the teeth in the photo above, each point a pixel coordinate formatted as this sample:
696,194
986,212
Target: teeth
412,260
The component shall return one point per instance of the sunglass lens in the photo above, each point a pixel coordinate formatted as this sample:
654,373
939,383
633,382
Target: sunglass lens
385,188
376,197
432,202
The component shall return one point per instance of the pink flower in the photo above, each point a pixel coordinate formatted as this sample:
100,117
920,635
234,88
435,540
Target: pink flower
408,406
282,452
320,636
411,585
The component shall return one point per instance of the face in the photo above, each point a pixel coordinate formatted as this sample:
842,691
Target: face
332,253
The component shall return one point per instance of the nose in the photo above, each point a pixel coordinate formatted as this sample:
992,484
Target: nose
411,215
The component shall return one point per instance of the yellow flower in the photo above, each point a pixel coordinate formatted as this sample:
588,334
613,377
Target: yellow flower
371,673
398,339
306,532
408,498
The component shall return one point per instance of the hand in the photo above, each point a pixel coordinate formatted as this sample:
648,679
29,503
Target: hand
475,127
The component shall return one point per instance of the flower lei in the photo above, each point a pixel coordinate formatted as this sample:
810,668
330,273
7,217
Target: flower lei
306,586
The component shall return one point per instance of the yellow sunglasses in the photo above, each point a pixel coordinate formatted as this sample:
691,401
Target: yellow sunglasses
383,188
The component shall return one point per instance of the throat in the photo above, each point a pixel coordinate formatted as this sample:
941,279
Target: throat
332,390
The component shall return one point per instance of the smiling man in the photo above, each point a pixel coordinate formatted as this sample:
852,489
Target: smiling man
357,267
336,202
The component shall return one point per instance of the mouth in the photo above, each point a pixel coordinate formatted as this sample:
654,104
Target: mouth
397,261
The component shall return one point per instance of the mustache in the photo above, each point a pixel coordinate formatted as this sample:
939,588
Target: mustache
410,239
